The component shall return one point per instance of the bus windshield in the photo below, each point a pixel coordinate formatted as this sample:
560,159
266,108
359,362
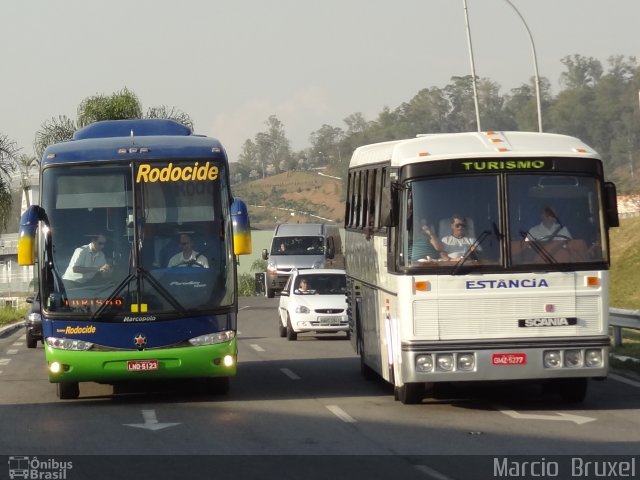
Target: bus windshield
544,220
144,238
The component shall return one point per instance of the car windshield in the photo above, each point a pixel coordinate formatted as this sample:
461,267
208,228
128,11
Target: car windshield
297,246
321,284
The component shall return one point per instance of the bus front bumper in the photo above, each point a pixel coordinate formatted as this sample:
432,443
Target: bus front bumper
218,360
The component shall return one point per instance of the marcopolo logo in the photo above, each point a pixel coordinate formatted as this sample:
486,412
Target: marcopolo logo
175,173
38,469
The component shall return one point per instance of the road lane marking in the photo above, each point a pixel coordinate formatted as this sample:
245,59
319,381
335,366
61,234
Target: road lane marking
13,351
557,416
4,361
626,380
290,374
257,348
17,344
431,472
150,422
341,414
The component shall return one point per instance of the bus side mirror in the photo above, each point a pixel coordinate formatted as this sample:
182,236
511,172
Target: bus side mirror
241,228
27,234
611,205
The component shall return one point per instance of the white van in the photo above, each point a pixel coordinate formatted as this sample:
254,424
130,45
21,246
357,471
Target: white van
300,245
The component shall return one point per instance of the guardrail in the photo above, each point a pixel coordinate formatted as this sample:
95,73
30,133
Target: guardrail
619,319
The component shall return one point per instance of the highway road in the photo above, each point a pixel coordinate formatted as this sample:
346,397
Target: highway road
303,406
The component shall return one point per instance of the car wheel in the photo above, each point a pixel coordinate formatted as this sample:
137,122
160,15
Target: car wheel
270,293
68,390
32,342
409,393
282,330
291,334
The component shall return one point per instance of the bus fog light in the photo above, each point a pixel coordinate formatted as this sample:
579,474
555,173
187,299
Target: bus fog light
424,363
228,361
445,362
552,359
55,367
593,358
466,361
572,358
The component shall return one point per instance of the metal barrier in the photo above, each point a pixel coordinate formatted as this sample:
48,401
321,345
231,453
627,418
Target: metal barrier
619,319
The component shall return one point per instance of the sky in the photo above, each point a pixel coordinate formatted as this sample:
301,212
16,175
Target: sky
231,64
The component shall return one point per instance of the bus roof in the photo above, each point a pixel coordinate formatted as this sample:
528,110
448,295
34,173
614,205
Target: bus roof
442,146
123,139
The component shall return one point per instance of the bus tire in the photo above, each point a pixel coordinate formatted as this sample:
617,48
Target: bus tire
68,390
410,393
291,334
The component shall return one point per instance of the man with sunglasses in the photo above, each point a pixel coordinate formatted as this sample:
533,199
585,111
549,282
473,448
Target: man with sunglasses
88,263
188,257
457,244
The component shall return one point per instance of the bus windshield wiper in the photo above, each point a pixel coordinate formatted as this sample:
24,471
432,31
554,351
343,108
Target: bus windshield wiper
538,247
139,274
471,251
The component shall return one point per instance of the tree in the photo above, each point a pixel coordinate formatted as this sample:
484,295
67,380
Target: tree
8,151
121,105
273,147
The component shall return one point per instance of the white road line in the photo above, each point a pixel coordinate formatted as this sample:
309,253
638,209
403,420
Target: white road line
17,344
626,380
341,414
243,308
431,472
4,361
13,351
290,374
257,348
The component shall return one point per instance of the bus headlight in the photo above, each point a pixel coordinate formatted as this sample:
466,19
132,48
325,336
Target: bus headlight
573,358
593,358
68,344
445,362
466,361
424,363
552,359
212,338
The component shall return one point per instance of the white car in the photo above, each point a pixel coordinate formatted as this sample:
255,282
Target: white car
320,306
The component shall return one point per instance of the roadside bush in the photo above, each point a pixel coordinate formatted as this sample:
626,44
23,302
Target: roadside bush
246,285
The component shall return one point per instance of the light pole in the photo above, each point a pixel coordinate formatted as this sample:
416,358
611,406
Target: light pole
473,66
535,64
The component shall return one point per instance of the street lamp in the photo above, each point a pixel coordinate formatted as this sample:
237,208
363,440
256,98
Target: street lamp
535,64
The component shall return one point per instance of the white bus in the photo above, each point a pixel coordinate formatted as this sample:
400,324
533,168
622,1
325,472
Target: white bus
516,299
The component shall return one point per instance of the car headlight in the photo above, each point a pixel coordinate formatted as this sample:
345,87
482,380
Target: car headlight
212,338
272,267
302,309
34,318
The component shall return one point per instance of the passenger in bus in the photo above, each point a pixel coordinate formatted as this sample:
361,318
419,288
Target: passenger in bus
188,257
549,227
88,263
427,247
457,244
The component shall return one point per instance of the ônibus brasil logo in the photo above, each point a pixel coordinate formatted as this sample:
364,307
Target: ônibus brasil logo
35,468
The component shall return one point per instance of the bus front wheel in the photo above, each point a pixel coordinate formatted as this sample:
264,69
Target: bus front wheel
68,390
410,393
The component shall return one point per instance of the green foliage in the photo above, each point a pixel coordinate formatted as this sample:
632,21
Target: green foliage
117,106
11,315
625,264
246,285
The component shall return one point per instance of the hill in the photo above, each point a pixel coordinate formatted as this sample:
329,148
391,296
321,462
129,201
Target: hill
293,197
625,264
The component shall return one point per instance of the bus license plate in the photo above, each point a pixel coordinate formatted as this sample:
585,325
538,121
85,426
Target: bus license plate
142,365
508,359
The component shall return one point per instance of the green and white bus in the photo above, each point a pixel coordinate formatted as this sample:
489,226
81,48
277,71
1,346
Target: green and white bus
124,195
511,305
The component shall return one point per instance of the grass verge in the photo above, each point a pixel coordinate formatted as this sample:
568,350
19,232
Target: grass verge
630,348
